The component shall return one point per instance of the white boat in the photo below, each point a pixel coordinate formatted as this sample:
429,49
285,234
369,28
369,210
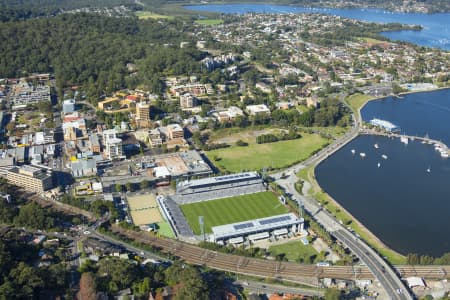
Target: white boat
404,140
378,165
429,170
353,151
376,146
384,156
362,154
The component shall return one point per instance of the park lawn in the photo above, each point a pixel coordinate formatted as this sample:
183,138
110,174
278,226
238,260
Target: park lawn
295,251
144,15
209,22
232,210
275,155
165,230
372,41
357,101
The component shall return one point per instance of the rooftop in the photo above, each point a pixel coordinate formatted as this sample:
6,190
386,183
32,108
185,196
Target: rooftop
220,179
251,226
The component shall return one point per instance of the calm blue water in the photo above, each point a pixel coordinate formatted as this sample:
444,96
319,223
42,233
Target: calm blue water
436,32
416,114
400,202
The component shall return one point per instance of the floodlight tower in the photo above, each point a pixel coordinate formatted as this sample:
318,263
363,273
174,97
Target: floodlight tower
202,227
300,208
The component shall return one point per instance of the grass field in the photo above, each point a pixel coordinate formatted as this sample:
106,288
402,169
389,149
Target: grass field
357,101
150,15
209,22
372,41
258,156
295,251
232,210
165,229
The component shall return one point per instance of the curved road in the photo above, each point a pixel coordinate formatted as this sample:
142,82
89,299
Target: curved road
382,271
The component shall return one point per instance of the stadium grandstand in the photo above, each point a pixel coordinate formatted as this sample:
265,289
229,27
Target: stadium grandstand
218,187
253,230
172,213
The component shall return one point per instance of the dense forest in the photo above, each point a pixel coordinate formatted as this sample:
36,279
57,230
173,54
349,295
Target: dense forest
11,10
94,51
20,279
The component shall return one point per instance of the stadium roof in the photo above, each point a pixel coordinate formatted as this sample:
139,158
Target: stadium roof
253,226
219,179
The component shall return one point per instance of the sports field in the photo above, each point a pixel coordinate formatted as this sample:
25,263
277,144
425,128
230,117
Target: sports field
144,209
209,22
232,210
151,15
259,156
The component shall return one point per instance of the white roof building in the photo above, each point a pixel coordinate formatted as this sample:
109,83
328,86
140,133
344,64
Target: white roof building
258,228
257,109
415,281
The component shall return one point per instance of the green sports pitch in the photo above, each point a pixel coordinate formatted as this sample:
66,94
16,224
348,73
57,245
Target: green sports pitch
232,210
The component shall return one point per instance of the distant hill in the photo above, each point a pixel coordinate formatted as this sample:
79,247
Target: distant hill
426,6
11,10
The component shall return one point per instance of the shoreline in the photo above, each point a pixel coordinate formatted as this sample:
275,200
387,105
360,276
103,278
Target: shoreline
371,239
401,94
188,3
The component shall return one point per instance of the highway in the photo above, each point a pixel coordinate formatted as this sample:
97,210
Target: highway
381,270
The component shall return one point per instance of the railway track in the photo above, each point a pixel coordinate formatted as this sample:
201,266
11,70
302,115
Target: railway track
300,273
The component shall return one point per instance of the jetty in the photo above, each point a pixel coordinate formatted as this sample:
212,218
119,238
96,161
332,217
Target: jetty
438,145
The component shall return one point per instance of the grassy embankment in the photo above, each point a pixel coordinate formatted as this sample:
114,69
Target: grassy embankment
295,251
356,102
348,220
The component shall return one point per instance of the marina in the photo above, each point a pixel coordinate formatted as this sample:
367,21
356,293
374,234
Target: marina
401,200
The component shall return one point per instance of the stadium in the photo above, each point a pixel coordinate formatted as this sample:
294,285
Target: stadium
231,209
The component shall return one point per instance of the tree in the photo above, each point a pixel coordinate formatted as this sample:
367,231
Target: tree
87,287
129,186
26,279
412,259
332,294
143,184
143,288
118,188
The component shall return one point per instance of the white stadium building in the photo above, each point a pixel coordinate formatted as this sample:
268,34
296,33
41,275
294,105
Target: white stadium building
253,230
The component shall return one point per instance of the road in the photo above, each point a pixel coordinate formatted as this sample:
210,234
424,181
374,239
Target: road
266,288
128,247
380,269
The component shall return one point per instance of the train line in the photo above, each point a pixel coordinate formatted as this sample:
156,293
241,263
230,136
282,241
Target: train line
295,272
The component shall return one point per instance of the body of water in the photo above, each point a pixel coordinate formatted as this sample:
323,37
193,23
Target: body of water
417,114
436,32
404,199
401,202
